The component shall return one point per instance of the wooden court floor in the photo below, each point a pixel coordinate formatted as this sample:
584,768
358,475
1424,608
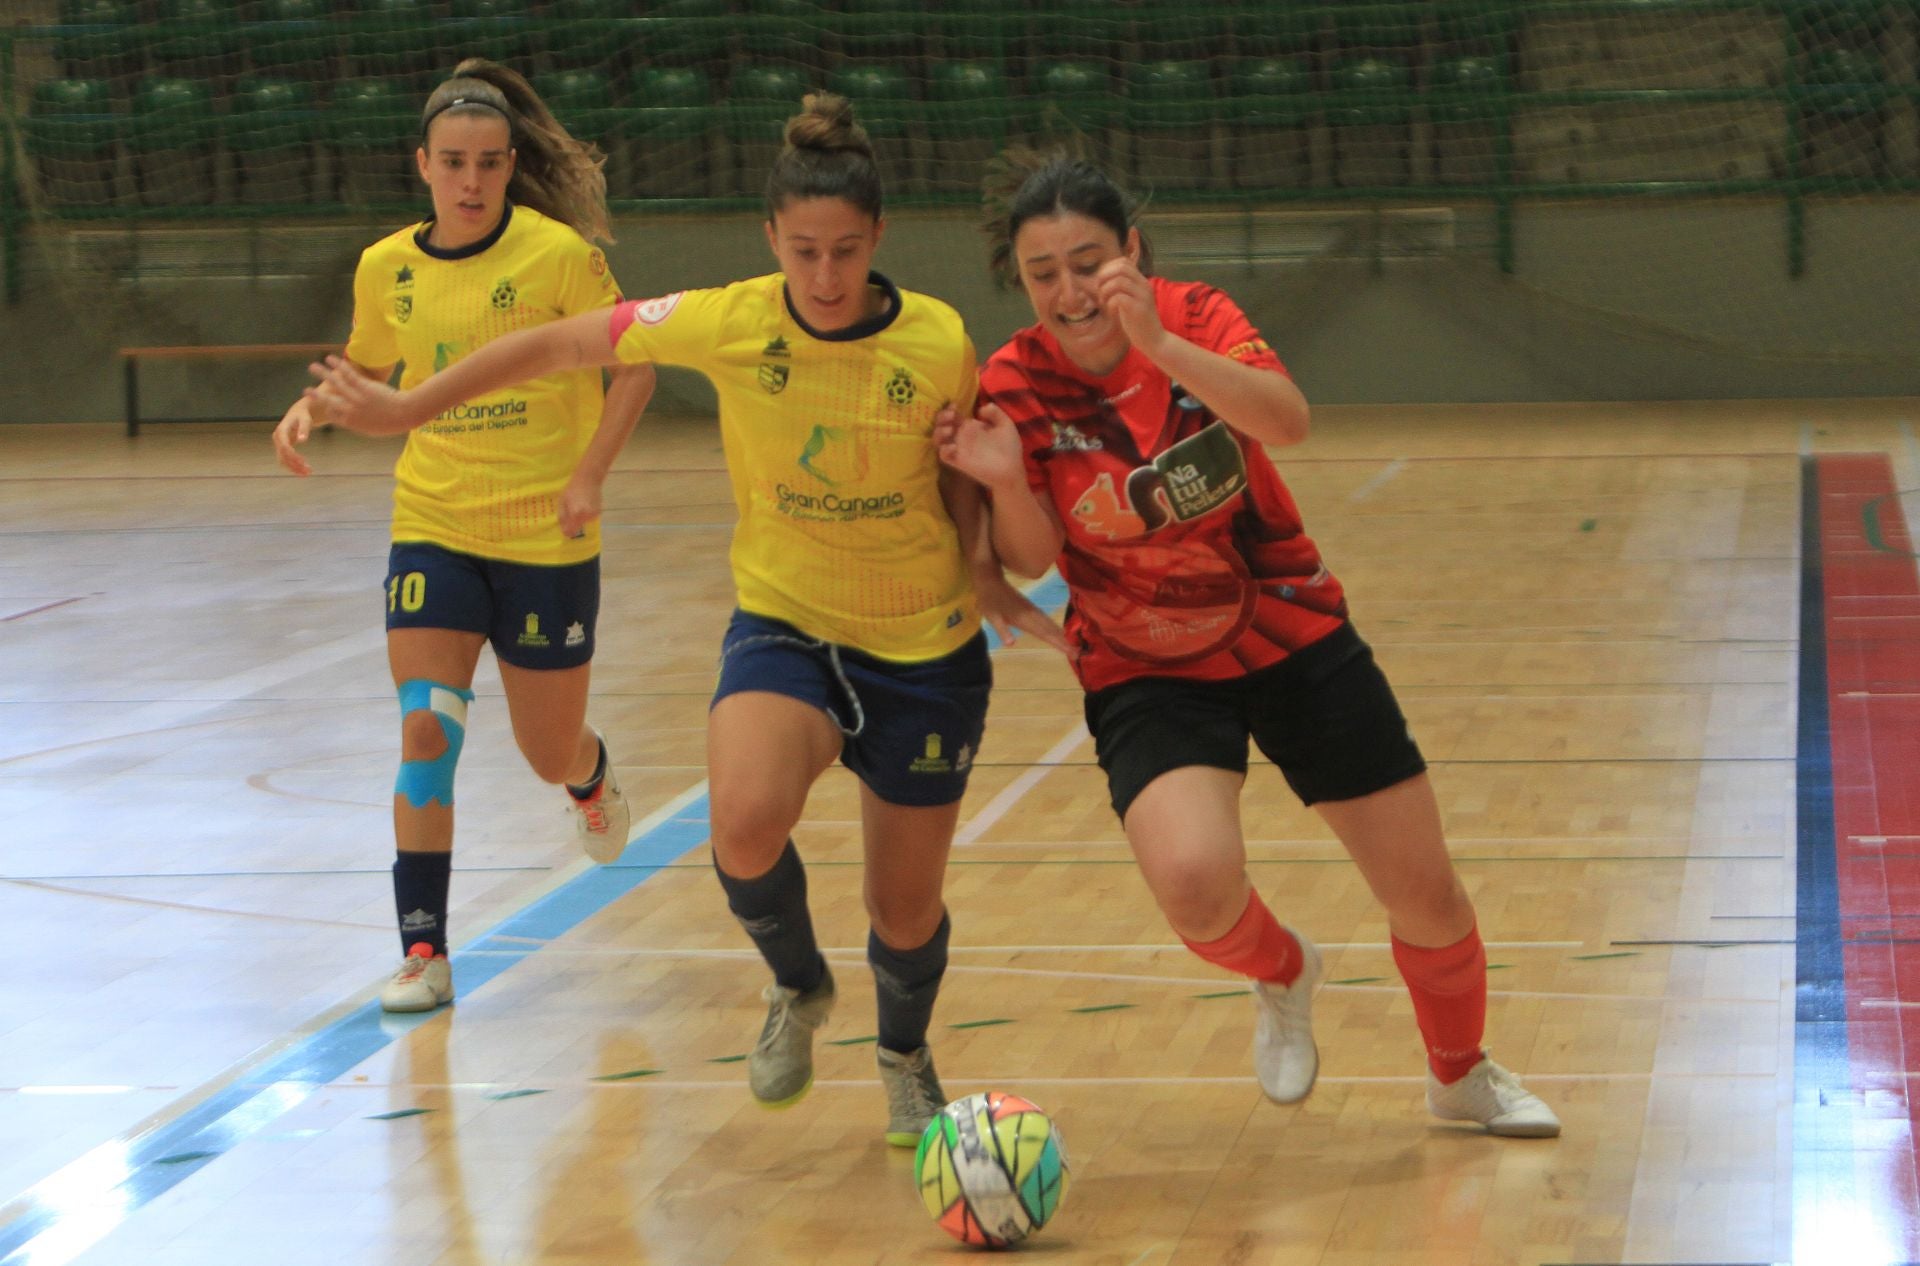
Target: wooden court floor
1589,612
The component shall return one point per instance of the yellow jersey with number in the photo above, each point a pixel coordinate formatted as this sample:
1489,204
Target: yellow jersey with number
485,476
829,445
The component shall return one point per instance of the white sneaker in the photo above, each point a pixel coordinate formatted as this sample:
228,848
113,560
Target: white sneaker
1495,1098
423,982
780,1066
603,818
914,1096
1285,1058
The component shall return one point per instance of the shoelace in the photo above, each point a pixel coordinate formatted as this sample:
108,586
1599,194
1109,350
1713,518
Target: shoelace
778,1014
414,968
911,1096
594,811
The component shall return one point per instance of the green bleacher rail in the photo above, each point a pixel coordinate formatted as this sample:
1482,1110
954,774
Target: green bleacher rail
11,212
980,24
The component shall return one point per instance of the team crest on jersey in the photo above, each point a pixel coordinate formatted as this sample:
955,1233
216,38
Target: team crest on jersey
403,308
597,262
773,378
900,387
504,295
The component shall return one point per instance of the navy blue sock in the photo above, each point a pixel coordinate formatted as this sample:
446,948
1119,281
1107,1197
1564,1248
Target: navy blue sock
585,789
906,982
420,882
773,910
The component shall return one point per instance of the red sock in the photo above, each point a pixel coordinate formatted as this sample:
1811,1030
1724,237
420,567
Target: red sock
1449,988
1257,946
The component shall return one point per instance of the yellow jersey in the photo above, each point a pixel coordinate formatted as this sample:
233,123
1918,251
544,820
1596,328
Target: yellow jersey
485,476
829,445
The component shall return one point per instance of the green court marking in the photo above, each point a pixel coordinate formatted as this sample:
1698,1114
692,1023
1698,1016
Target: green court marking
1870,522
978,1024
856,1041
1111,1006
1357,980
1587,525
402,1112
516,1094
726,1059
1498,966
633,1075
1590,958
181,1158
1224,993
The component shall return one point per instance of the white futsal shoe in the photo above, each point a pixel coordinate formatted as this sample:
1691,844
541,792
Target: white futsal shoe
1495,1098
1285,1058
604,818
424,981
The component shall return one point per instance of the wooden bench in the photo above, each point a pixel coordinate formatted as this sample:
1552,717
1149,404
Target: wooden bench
132,356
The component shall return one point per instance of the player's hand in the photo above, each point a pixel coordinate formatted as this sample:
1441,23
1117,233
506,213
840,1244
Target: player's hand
579,506
1124,291
985,447
1011,613
293,431
347,397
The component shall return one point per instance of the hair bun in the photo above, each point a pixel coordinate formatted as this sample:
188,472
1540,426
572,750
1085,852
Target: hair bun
826,123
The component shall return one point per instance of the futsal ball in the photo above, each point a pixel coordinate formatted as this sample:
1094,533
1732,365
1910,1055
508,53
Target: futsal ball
992,1169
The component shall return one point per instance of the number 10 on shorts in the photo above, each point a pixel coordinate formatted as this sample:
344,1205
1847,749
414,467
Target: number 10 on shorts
406,593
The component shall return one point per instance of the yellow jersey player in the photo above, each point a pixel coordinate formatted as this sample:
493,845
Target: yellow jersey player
857,635
496,535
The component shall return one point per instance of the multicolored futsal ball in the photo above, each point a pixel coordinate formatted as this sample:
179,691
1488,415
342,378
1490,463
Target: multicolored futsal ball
992,1169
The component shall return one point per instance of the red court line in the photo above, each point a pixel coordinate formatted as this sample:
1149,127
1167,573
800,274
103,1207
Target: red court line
1873,699
45,606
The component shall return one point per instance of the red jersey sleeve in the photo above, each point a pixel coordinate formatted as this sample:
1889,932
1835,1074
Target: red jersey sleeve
1215,322
1006,384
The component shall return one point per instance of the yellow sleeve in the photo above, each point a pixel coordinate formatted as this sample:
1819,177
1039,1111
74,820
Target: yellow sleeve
586,282
683,328
372,344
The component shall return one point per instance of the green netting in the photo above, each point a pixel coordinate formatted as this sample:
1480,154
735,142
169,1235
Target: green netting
177,110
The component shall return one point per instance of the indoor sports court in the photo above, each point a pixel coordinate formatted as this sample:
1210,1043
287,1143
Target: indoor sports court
1607,315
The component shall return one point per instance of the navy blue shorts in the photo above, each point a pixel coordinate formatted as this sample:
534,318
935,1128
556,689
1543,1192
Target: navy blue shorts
1325,715
911,729
535,617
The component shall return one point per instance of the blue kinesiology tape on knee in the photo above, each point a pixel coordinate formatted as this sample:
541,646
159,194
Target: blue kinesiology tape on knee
423,782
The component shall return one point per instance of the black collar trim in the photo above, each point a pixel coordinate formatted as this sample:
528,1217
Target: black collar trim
468,251
859,329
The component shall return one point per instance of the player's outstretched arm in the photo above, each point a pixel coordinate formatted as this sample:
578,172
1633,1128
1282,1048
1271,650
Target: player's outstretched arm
359,404
1026,534
627,396
297,424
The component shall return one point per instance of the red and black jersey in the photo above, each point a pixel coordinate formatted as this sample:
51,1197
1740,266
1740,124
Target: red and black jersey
1184,554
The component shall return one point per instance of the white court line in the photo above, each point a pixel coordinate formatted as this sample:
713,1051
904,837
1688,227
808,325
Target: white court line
997,807
732,1086
854,956
856,950
1379,480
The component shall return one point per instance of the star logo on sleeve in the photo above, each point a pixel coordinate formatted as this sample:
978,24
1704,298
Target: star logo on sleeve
404,277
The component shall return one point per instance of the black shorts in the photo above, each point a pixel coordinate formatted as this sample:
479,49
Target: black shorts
535,616
1325,715
911,729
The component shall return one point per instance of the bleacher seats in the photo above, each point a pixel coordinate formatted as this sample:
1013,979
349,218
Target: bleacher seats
171,133
70,132
270,134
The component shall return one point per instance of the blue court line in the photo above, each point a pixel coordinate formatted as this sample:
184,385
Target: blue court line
1823,1141
122,1176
